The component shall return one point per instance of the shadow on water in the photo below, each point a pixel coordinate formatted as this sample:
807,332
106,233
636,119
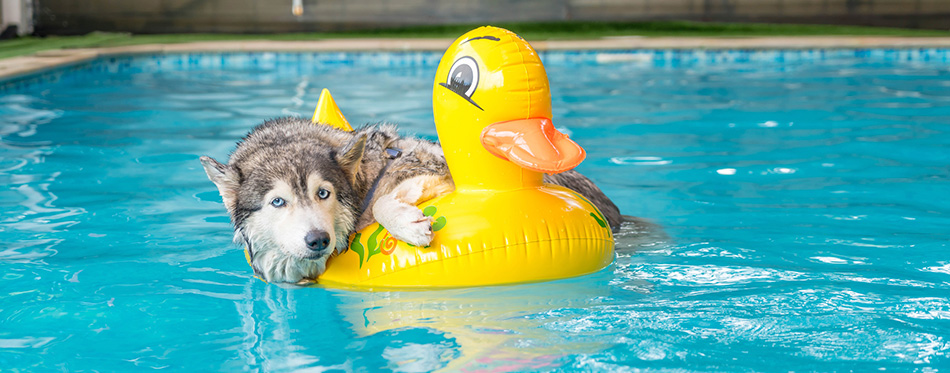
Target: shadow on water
638,234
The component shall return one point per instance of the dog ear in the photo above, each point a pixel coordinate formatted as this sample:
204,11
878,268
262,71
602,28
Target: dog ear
224,177
351,154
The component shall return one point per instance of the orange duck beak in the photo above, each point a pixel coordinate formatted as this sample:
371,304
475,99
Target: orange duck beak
533,144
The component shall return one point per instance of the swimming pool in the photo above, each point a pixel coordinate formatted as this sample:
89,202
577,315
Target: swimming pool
802,195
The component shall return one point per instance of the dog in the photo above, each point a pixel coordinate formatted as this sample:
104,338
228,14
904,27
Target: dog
295,191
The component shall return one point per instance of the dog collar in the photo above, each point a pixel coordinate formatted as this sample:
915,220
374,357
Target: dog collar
391,154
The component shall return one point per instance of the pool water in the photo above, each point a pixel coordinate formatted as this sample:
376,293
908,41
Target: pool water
804,200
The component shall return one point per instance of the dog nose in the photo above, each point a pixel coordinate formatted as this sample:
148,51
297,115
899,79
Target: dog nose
317,240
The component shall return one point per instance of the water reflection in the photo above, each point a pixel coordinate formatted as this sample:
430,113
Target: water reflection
493,327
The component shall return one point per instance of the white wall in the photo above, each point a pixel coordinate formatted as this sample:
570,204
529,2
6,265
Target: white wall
17,12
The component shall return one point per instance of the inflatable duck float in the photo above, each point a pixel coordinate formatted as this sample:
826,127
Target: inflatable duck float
502,224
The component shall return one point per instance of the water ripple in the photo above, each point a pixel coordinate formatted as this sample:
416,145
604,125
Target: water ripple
671,274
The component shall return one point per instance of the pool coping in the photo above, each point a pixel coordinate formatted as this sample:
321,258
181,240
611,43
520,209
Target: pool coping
46,60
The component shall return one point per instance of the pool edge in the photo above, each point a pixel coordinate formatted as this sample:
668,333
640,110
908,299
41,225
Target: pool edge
22,66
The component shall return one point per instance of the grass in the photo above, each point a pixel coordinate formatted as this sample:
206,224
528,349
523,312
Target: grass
530,31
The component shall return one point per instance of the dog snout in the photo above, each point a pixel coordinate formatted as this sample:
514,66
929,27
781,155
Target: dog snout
317,240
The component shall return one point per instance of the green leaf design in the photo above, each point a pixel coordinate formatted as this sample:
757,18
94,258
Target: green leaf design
373,244
357,247
438,224
599,221
429,211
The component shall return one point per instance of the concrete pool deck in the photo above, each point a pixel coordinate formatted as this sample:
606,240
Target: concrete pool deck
42,61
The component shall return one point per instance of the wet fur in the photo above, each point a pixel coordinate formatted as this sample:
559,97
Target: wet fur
291,158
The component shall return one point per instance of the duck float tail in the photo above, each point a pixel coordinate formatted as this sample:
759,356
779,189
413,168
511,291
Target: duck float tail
328,113
502,224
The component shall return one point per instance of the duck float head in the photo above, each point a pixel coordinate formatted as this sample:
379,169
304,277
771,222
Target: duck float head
502,224
492,109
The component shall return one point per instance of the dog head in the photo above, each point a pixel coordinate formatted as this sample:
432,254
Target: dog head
291,200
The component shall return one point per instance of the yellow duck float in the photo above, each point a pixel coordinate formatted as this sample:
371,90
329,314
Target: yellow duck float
502,224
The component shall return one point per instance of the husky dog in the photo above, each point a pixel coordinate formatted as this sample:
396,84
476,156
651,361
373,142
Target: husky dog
295,191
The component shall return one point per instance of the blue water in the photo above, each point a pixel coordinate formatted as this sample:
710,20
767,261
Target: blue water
803,199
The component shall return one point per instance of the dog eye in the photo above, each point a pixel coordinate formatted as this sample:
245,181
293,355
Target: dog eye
278,202
463,77
323,193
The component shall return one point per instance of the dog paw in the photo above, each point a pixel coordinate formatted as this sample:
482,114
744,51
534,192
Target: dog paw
412,227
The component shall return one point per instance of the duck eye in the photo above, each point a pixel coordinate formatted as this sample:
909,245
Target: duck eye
278,202
323,193
463,77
